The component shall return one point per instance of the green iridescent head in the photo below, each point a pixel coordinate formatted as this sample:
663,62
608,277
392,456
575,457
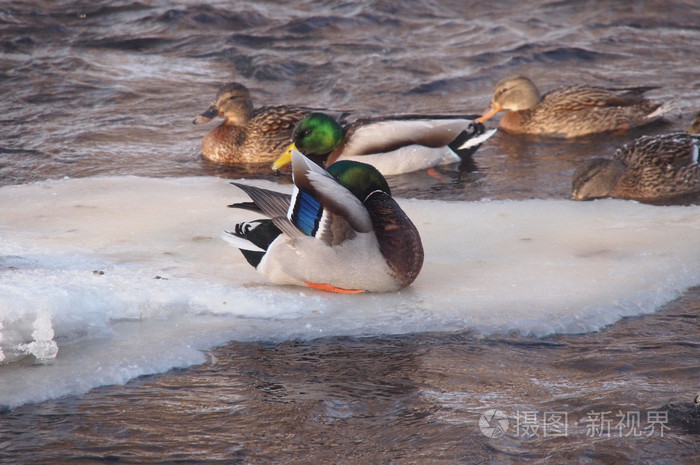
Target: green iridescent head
317,135
359,178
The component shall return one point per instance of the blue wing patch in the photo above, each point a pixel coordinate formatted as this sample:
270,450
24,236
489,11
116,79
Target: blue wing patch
306,212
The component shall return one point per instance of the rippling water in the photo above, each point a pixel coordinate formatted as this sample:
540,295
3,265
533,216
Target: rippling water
110,89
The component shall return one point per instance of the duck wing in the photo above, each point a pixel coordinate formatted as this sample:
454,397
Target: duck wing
371,136
272,204
670,151
579,97
269,203
323,208
319,206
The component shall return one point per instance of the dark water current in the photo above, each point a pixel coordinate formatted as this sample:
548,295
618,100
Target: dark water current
110,88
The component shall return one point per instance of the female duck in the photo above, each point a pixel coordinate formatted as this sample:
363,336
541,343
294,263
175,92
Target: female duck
651,168
695,125
570,111
393,145
247,135
340,231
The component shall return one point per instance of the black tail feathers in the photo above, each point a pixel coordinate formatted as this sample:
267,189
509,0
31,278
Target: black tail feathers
259,232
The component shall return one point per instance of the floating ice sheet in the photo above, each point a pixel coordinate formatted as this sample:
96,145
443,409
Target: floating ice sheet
106,279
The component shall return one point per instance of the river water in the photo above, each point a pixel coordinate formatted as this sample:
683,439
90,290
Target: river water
541,330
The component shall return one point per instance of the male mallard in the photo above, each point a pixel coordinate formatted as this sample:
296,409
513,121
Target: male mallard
393,145
247,135
570,111
648,169
339,231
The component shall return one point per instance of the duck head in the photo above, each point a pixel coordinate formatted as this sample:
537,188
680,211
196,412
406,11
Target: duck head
316,136
359,178
233,102
512,93
596,178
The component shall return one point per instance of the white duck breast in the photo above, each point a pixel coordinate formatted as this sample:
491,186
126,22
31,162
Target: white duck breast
301,260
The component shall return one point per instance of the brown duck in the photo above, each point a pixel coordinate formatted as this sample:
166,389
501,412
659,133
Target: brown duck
651,168
247,135
695,125
570,111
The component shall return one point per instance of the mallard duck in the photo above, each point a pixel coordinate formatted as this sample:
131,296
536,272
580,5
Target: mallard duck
695,125
650,168
393,145
339,231
247,135
570,111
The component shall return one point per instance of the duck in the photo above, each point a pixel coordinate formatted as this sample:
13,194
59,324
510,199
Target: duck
649,169
392,144
339,231
570,111
695,125
247,135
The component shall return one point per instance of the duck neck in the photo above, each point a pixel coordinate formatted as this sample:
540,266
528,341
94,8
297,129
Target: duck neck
515,120
239,114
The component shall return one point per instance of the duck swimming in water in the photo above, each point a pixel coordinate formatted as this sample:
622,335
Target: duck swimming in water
570,111
392,144
247,135
651,168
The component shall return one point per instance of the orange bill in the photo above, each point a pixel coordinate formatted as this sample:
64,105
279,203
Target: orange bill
488,114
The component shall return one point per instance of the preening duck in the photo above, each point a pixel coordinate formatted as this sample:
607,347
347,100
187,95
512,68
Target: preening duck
570,111
393,145
339,231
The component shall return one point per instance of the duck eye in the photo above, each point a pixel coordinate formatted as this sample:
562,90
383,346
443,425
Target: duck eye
306,133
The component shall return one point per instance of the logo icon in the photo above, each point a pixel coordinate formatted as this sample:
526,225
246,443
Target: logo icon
493,423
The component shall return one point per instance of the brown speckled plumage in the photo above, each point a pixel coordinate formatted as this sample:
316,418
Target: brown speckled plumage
247,135
570,111
695,125
650,168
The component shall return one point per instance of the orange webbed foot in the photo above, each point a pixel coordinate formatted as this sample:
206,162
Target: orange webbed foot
330,288
432,172
622,130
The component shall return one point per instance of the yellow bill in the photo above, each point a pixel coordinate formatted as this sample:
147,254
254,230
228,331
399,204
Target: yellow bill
285,158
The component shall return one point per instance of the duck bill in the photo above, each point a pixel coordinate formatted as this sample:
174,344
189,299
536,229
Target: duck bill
285,159
489,113
211,113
